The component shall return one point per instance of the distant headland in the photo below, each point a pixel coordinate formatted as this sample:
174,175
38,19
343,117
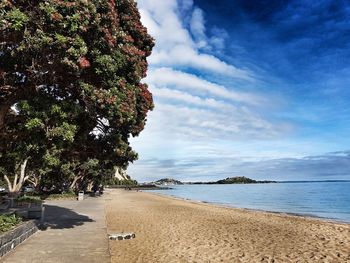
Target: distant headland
228,180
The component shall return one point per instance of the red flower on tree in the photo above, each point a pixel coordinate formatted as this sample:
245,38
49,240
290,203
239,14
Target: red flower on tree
84,63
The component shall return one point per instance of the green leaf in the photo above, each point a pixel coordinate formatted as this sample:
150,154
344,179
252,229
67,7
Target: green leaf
34,124
17,19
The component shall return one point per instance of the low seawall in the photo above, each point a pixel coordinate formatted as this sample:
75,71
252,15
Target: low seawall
11,239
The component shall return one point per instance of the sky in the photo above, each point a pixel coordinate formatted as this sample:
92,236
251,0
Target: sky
246,88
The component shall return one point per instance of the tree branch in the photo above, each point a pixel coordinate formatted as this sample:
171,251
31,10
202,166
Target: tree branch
22,178
3,111
8,183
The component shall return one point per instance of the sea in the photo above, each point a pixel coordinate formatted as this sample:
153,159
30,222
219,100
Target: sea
328,200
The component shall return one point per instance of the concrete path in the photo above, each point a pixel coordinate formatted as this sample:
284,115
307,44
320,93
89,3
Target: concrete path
76,232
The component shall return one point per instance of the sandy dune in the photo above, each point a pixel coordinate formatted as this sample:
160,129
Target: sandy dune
172,230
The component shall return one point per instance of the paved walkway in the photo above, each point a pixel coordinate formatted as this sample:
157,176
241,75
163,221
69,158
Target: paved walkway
76,232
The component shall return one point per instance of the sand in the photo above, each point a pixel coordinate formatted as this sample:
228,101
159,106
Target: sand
174,230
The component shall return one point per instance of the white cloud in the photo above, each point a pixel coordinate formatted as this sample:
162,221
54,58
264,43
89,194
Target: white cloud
182,55
172,94
163,23
181,80
174,44
189,123
186,5
197,27
218,37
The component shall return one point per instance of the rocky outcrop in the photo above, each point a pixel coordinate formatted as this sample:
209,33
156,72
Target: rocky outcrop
120,174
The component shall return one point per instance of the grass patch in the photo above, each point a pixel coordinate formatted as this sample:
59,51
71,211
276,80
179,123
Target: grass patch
68,195
38,198
29,199
7,222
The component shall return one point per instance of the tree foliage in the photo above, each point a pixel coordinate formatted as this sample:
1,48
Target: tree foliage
70,86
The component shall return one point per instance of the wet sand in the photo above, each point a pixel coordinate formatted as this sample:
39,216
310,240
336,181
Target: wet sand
173,230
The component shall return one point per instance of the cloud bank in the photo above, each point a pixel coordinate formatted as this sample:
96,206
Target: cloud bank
330,166
231,79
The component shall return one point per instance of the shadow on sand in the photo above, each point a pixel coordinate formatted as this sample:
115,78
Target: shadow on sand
59,218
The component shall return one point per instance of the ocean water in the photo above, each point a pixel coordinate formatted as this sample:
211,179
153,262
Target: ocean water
328,200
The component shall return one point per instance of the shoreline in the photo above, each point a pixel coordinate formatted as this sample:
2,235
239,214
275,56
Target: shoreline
221,205
169,229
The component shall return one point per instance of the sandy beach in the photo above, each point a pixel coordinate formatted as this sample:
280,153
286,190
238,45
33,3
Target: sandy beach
173,230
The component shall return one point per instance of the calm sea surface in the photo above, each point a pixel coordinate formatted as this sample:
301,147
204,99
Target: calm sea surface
330,200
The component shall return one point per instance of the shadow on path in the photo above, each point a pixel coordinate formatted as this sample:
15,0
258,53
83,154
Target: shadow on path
57,217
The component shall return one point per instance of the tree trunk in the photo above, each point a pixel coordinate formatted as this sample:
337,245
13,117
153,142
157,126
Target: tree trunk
90,186
75,180
34,180
17,183
3,111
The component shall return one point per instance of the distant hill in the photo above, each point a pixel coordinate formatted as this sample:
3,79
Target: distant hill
236,180
241,180
167,181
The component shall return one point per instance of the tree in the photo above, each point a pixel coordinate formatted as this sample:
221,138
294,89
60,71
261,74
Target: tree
89,56
37,134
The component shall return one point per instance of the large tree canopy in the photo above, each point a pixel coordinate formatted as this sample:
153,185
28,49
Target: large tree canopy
70,84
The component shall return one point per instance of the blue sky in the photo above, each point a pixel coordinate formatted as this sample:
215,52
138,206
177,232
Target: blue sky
251,88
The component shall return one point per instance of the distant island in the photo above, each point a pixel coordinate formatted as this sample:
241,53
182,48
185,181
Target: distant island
240,180
167,181
228,180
